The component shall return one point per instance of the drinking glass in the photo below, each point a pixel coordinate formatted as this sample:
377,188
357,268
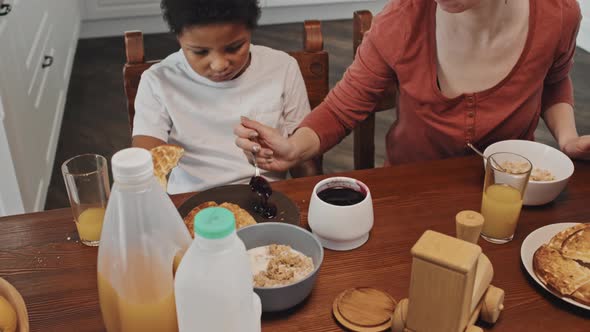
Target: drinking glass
506,179
87,181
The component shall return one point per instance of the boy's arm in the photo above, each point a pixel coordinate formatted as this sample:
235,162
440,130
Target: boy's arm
146,142
152,123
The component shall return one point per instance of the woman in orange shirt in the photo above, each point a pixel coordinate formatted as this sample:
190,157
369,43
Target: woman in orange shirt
475,71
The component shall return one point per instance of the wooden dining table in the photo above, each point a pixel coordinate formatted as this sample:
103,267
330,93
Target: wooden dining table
41,255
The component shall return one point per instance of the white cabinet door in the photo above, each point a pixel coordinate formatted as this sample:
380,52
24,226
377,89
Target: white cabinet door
12,96
35,74
24,123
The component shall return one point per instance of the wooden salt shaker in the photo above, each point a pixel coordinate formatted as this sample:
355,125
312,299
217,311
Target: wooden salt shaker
469,225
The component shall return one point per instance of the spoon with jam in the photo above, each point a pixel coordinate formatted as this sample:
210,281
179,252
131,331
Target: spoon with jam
262,188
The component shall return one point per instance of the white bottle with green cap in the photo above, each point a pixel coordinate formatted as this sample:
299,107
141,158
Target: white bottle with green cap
213,285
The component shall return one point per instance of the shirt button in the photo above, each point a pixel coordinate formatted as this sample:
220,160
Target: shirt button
471,114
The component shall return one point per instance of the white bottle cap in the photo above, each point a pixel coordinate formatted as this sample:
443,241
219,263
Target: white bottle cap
132,165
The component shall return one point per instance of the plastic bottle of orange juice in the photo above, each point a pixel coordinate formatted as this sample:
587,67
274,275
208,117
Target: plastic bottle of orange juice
142,237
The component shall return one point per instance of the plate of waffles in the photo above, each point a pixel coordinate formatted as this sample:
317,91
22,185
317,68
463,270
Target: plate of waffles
240,200
557,257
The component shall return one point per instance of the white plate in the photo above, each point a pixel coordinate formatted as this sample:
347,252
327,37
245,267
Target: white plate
533,242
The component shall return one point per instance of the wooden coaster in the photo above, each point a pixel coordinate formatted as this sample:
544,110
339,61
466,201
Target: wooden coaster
364,309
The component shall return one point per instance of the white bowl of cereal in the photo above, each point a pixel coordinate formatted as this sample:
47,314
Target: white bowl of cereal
551,168
285,261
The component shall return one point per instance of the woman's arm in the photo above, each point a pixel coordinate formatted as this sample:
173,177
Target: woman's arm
558,91
296,108
356,96
350,102
560,121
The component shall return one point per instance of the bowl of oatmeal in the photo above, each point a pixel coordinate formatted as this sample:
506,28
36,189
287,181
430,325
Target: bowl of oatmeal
551,168
285,260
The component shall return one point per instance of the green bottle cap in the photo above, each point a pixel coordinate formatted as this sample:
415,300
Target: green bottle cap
214,223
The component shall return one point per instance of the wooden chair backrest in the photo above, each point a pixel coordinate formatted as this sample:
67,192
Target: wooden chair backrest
312,60
364,134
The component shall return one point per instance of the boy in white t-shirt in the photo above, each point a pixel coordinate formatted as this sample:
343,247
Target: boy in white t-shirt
194,97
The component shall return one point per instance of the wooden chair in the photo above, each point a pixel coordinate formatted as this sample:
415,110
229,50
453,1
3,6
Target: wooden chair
312,60
364,134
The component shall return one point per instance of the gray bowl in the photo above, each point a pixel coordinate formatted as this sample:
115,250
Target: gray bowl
284,297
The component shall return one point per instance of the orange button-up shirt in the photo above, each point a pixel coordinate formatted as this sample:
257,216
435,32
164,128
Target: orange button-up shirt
400,48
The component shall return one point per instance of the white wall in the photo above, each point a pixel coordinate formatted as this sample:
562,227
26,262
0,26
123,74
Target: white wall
584,34
103,18
284,11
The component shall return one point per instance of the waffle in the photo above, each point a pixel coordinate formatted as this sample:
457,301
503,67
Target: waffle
165,158
243,218
562,265
190,217
558,239
577,246
582,294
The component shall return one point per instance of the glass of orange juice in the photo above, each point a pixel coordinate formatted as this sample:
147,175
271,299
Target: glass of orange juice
87,181
506,179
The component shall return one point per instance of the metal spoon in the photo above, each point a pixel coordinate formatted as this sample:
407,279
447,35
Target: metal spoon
256,169
476,150
484,157
262,188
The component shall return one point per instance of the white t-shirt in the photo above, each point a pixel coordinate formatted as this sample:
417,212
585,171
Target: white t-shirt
177,105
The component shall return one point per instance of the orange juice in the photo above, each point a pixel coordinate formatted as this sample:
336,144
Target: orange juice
89,224
122,314
176,262
500,207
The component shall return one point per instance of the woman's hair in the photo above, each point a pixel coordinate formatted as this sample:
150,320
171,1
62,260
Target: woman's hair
181,14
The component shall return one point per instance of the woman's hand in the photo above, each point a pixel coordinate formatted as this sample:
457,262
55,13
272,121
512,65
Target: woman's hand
562,124
272,151
578,148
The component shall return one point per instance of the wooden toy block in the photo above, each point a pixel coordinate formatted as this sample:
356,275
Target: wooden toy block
450,283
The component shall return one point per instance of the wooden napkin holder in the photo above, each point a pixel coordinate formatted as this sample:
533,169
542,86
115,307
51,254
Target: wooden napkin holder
450,283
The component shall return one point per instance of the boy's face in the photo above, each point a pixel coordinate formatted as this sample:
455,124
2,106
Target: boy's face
219,52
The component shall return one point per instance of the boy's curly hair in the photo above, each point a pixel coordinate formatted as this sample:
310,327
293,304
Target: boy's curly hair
181,14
